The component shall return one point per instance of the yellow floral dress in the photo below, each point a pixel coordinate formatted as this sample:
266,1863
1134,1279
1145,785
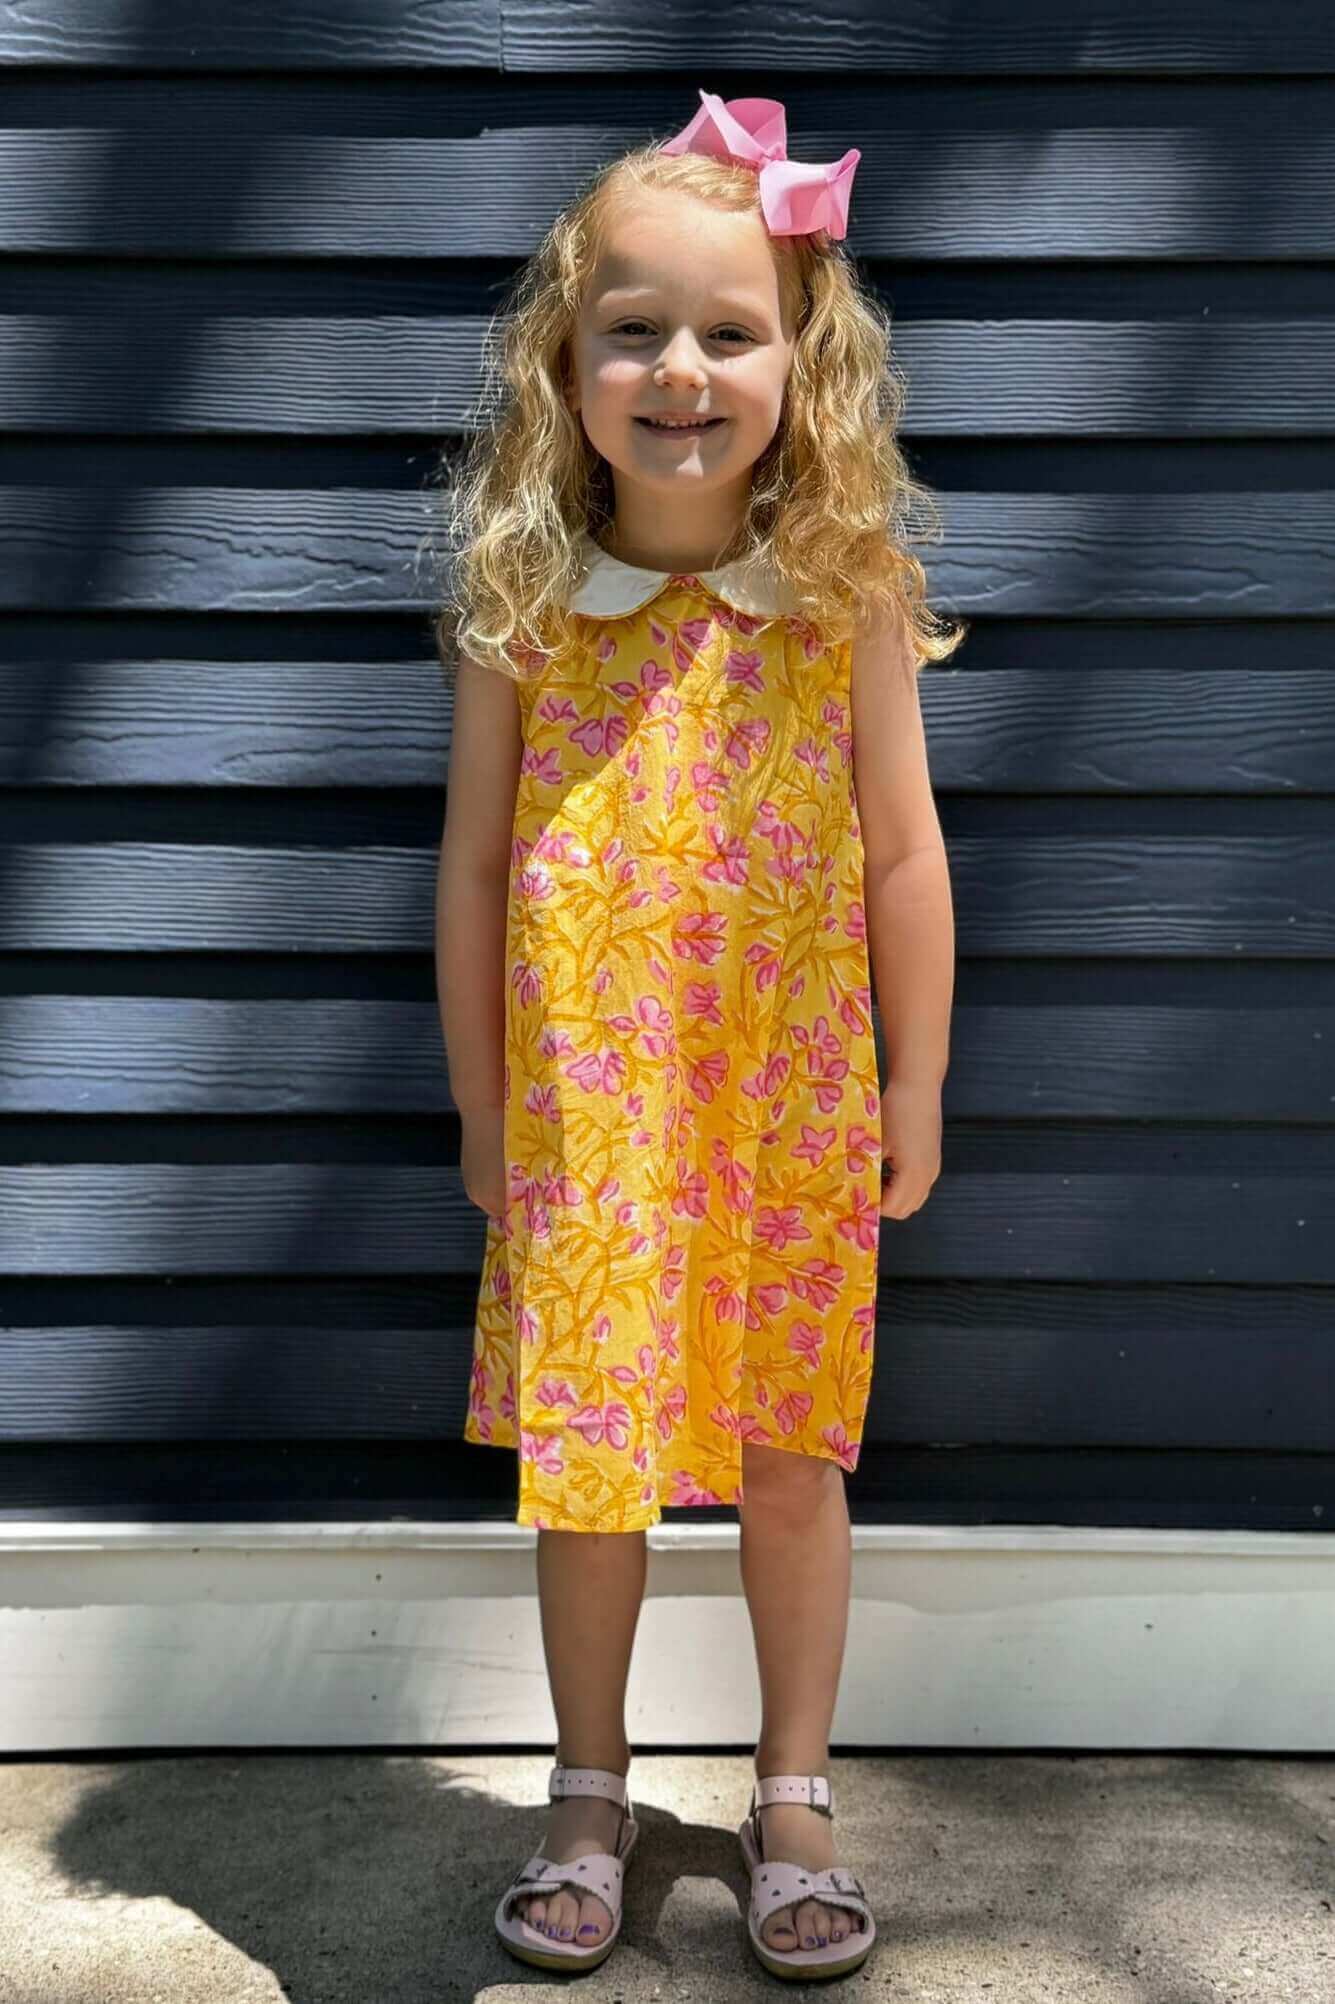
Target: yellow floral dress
688,1255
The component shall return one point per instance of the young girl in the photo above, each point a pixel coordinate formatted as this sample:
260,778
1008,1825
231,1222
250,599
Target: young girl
688,796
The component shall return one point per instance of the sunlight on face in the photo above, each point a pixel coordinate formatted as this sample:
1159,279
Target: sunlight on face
682,314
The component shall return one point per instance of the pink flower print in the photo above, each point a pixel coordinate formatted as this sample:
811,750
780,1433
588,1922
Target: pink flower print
769,1295
701,1001
864,1225
554,709
827,1087
665,888
542,1101
555,1392
543,766
790,867
814,1145
562,1190
671,1411
806,1341
561,845
780,1227
640,1459
846,1450
852,1014
792,1411
607,1189
706,1076
482,1420
691,1197
748,735
700,936
525,983
855,919
543,1449
745,623
765,963
527,1325
623,1373
647,1362
724,1416
709,783
728,865
687,641
753,1432
817,1282
534,882
862,1147
733,1176
674,1277
812,641
767,1081
743,669
864,1318
667,707
602,1423
659,1033
598,1071
686,1491
602,1328
508,1406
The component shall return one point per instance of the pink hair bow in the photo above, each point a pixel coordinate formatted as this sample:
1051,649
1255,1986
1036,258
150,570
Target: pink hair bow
794,198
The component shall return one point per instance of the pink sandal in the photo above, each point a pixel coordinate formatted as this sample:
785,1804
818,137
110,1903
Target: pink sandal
597,1872
775,1884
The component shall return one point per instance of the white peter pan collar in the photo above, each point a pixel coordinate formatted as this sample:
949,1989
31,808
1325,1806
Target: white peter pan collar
610,587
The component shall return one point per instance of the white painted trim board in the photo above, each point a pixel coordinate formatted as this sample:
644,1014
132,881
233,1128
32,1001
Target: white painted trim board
136,1636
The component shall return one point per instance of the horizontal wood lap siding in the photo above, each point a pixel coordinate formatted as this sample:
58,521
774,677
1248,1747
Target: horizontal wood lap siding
248,266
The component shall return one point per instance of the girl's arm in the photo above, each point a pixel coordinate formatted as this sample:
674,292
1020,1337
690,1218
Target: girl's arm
472,884
910,922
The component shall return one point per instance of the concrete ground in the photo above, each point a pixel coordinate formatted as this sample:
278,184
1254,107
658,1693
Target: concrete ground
372,1877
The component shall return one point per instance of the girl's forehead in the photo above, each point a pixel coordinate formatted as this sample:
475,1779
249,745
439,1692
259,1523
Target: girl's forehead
641,269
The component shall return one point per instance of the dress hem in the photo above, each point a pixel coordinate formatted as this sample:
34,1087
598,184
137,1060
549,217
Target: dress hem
529,1517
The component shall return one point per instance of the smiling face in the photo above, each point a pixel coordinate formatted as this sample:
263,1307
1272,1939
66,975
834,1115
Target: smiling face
682,314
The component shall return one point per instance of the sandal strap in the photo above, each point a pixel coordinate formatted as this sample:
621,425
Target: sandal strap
776,1884
596,1872
600,1781
811,1789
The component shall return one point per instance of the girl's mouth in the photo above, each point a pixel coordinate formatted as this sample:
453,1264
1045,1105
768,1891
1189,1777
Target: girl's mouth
680,430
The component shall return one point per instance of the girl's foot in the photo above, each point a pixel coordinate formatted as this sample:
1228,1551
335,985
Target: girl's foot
577,1826
803,1836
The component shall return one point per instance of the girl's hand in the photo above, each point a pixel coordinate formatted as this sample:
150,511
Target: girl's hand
482,1160
910,1145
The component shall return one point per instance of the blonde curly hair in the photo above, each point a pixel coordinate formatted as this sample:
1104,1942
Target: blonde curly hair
832,502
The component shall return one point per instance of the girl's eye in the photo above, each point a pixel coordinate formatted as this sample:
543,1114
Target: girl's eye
626,325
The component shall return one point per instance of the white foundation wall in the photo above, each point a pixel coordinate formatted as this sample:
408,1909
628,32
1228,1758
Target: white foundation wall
415,1634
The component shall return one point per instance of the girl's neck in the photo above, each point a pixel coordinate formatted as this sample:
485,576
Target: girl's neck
658,546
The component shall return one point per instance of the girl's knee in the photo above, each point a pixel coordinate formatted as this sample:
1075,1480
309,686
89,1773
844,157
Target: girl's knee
783,1478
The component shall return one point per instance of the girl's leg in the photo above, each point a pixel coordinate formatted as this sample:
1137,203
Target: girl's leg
590,1585
796,1571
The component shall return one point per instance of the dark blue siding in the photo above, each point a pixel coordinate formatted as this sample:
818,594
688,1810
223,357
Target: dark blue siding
247,261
